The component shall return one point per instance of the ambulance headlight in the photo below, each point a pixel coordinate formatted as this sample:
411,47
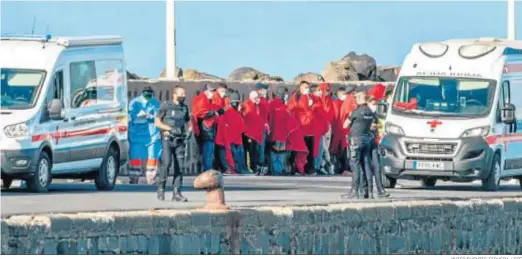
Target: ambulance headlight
433,49
390,128
475,50
476,132
17,130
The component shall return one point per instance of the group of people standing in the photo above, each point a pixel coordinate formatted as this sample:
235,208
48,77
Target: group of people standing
307,132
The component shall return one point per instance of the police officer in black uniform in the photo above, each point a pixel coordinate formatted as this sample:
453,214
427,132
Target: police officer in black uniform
173,120
360,122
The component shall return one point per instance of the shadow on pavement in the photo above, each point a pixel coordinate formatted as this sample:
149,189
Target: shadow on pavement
460,188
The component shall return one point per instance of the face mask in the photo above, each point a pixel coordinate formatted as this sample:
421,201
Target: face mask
306,91
263,93
256,101
147,95
285,98
222,94
210,95
318,93
181,99
342,97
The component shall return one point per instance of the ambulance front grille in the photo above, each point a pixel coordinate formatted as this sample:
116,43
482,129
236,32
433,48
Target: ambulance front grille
425,148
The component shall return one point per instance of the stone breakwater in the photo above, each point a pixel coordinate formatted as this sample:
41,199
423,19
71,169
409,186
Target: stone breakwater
491,226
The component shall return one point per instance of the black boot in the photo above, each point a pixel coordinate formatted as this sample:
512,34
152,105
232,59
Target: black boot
176,196
161,193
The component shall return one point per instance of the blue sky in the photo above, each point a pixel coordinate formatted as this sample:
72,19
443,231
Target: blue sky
278,38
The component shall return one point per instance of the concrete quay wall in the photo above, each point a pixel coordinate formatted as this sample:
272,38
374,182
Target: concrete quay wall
489,226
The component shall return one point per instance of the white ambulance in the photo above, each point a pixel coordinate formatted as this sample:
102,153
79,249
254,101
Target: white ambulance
63,109
455,114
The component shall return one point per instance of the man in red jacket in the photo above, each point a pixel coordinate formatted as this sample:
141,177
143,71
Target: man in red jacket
229,136
309,111
325,95
206,114
255,116
338,144
282,124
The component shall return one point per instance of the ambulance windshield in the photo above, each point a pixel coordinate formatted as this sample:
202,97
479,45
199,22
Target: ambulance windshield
444,96
19,88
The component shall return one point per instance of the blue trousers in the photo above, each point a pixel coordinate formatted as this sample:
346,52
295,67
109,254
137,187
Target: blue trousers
319,158
278,160
207,155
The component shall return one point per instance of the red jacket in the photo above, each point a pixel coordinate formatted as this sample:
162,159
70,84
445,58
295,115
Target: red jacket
281,122
338,143
201,105
255,117
230,129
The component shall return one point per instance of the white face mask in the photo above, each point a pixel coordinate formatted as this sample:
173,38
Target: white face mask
285,99
306,91
222,94
210,95
318,93
373,107
263,93
342,97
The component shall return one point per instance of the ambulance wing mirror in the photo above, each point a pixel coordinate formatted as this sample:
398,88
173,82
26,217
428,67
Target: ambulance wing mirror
56,109
382,109
508,114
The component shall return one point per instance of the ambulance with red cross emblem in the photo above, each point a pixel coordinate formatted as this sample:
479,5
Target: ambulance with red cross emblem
63,109
455,114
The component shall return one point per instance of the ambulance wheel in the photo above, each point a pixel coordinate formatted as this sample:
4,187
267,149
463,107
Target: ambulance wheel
388,183
6,183
492,181
106,178
40,180
428,182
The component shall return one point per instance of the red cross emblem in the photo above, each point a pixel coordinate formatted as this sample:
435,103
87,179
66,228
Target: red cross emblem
433,124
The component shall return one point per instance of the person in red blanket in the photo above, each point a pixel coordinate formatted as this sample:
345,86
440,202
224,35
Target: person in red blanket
220,98
338,144
309,111
282,124
230,129
324,92
205,112
255,116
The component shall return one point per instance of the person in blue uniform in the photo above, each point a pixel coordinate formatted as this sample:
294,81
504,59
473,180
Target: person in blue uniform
144,137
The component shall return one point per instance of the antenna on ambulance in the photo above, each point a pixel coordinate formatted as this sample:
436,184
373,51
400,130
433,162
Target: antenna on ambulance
171,41
511,20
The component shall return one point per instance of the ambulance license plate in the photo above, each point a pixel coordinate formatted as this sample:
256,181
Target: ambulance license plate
421,165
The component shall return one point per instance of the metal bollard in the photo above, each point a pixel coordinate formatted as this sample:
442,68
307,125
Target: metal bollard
212,182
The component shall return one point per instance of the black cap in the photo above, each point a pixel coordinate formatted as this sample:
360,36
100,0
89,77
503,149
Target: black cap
261,86
359,89
234,97
281,90
147,89
209,87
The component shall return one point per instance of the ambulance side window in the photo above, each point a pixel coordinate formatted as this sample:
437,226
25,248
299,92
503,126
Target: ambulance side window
55,91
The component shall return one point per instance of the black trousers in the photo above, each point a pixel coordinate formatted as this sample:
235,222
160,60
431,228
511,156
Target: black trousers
171,155
375,165
309,141
359,151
